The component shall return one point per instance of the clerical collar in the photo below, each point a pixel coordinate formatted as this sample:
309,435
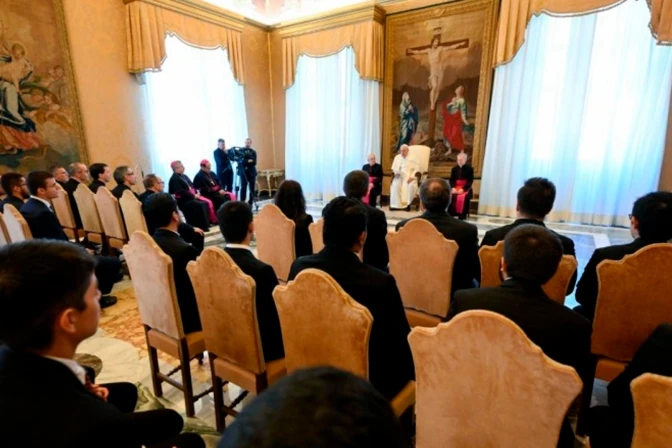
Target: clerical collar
47,203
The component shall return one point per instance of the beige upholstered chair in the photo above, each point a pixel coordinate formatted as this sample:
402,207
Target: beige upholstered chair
626,313
315,229
275,240
63,212
110,218
556,287
88,211
132,211
227,306
152,273
4,237
482,383
322,325
420,154
652,396
421,261
16,225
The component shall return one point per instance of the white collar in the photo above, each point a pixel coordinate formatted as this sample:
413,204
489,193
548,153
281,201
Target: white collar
47,203
73,365
239,246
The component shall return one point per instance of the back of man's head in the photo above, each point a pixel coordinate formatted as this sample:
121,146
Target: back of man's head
149,181
344,221
234,220
654,216
320,407
37,180
10,180
435,195
120,174
96,170
356,184
532,253
38,280
159,209
536,198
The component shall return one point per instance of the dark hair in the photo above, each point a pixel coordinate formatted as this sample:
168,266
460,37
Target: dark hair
159,209
55,167
150,180
356,184
120,174
435,195
536,197
532,253
221,140
289,198
37,180
344,221
234,220
319,407
97,169
28,308
654,215
9,181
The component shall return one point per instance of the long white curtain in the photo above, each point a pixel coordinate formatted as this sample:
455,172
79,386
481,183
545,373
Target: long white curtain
584,103
193,101
333,123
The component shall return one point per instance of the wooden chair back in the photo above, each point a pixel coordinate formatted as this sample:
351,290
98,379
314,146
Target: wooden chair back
16,226
316,229
652,397
88,211
4,237
132,211
491,260
275,240
110,218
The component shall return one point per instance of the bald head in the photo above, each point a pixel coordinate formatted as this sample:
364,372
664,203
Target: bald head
435,195
79,171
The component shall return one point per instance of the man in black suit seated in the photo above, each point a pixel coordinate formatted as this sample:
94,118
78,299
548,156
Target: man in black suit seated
101,175
237,226
60,174
435,198
48,305
207,183
531,257
535,202
650,222
179,185
79,174
44,224
162,210
390,360
192,235
355,186
125,179
16,188
375,172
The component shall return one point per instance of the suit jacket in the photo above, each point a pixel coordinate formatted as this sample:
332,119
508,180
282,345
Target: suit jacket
42,221
70,187
11,200
492,237
376,171
66,413
250,167
222,162
118,191
467,265
303,245
376,252
466,172
181,253
586,289
267,315
390,360
185,230
95,185
207,183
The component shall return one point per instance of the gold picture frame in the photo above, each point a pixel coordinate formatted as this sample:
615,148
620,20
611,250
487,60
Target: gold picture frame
448,23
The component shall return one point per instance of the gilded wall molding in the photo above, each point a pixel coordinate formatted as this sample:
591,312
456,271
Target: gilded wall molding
202,11
332,19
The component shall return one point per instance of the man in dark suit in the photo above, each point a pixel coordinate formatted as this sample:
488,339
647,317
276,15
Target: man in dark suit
375,172
195,211
125,179
207,183
223,164
40,338
248,171
435,199
162,210
79,174
237,226
44,224
101,175
355,186
390,360
16,188
60,174
531,257
535,202
650,222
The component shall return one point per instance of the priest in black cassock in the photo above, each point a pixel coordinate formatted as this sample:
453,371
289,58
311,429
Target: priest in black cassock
461,179
207,183
375,172
195,210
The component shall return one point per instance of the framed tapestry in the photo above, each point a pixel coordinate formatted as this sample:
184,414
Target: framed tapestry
40,121
438,79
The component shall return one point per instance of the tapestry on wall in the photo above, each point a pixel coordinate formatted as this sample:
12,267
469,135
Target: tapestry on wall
438,77
40,123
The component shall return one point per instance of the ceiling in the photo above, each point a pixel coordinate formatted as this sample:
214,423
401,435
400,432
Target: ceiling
272,12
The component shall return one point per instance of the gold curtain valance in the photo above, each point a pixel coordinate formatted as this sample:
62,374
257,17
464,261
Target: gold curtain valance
147,25
366,37
516,14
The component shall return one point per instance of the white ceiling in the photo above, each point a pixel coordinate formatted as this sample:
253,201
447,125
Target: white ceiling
272,12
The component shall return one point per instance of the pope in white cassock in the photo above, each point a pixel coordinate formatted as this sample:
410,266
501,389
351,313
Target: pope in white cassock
404,185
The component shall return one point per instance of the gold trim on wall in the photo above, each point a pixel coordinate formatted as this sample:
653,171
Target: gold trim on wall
200,10
331,19
396,22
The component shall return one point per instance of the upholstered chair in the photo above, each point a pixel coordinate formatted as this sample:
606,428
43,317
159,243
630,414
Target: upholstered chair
110,218
482,383
420,155
491,260
63,212
4,237
16,226
316,228
421,261
323,326
154,285
132,211
556,288
652,397
88,211
275,240
227,306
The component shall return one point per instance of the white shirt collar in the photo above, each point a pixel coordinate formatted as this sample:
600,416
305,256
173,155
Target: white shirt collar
73,365
47,203
239,246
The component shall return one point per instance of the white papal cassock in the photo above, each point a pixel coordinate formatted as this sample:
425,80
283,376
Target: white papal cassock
402,193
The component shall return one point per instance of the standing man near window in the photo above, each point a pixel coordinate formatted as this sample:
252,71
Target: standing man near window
223,162
248,173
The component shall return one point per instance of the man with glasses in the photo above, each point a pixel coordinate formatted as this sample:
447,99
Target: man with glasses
125,178
15,186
